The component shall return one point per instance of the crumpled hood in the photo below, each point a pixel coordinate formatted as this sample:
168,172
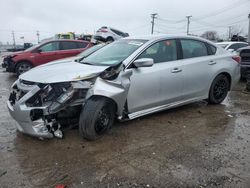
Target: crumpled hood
61,72
13,53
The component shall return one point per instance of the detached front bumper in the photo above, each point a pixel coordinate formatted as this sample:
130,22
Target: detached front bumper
21,114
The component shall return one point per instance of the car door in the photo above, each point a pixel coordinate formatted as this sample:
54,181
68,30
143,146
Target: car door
46,53
70,48
197,68
157,85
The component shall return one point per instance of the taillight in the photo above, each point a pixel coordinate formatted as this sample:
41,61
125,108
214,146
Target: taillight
103,30
237,58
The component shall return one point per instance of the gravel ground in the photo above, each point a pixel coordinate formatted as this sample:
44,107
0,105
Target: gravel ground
196,145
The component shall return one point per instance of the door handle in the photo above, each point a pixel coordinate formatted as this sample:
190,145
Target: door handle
176,70
212,62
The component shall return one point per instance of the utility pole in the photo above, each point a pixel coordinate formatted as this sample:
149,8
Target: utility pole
38,34
248,38
229,32
153,16
188,23
14,39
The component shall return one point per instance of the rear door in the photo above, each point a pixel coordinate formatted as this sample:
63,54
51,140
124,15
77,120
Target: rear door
157,85
70,48
198,65
46,53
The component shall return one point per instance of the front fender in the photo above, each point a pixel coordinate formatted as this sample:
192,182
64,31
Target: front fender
116,90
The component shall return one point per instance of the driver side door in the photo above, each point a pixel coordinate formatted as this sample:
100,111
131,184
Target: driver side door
46,53
160,84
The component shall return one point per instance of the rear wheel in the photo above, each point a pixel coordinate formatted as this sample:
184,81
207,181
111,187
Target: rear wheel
23,67
219,89
110,39
96,118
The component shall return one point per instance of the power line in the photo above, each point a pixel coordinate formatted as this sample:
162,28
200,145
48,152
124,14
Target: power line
223,10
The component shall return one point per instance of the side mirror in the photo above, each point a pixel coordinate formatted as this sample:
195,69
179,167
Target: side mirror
38,51
231,50
144,62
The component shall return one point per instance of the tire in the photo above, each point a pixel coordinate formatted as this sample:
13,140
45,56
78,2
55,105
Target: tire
110,39
96,118
219,89
23,67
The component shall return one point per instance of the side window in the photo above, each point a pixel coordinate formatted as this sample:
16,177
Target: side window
162,51
82,44
212,49
241,45
68,45
49,47
193,48
116,32
234,46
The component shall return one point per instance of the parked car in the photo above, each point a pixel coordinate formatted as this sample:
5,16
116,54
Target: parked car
108,34
126,79
232,46
20,62
245,61
82,55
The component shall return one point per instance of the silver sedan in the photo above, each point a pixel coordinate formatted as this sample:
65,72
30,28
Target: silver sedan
126,79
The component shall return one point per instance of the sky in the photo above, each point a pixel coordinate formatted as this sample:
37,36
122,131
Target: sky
26,17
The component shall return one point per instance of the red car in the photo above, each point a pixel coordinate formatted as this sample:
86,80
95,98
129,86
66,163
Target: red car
20,62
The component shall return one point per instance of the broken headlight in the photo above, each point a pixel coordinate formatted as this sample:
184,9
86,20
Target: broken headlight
112,72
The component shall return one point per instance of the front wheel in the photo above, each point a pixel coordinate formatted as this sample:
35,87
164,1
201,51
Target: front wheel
219,89
96,118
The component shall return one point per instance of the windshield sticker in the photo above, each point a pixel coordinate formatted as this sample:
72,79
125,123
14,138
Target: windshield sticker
135,43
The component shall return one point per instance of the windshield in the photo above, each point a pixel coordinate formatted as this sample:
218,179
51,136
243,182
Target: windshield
89,51
223,45
114,53
32,47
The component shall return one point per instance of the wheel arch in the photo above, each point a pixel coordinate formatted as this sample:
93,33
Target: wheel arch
110,37
23,60
107,98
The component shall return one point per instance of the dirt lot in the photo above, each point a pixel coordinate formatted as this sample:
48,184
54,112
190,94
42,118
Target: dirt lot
197,145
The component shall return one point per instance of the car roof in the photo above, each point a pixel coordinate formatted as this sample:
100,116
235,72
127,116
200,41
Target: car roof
166,36
231,42
244,48
67,40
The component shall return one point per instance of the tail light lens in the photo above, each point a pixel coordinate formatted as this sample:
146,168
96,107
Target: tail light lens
103,30
237,58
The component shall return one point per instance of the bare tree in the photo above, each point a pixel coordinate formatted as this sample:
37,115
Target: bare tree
210,35
236,30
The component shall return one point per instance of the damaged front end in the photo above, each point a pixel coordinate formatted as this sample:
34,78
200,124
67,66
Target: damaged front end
42,109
